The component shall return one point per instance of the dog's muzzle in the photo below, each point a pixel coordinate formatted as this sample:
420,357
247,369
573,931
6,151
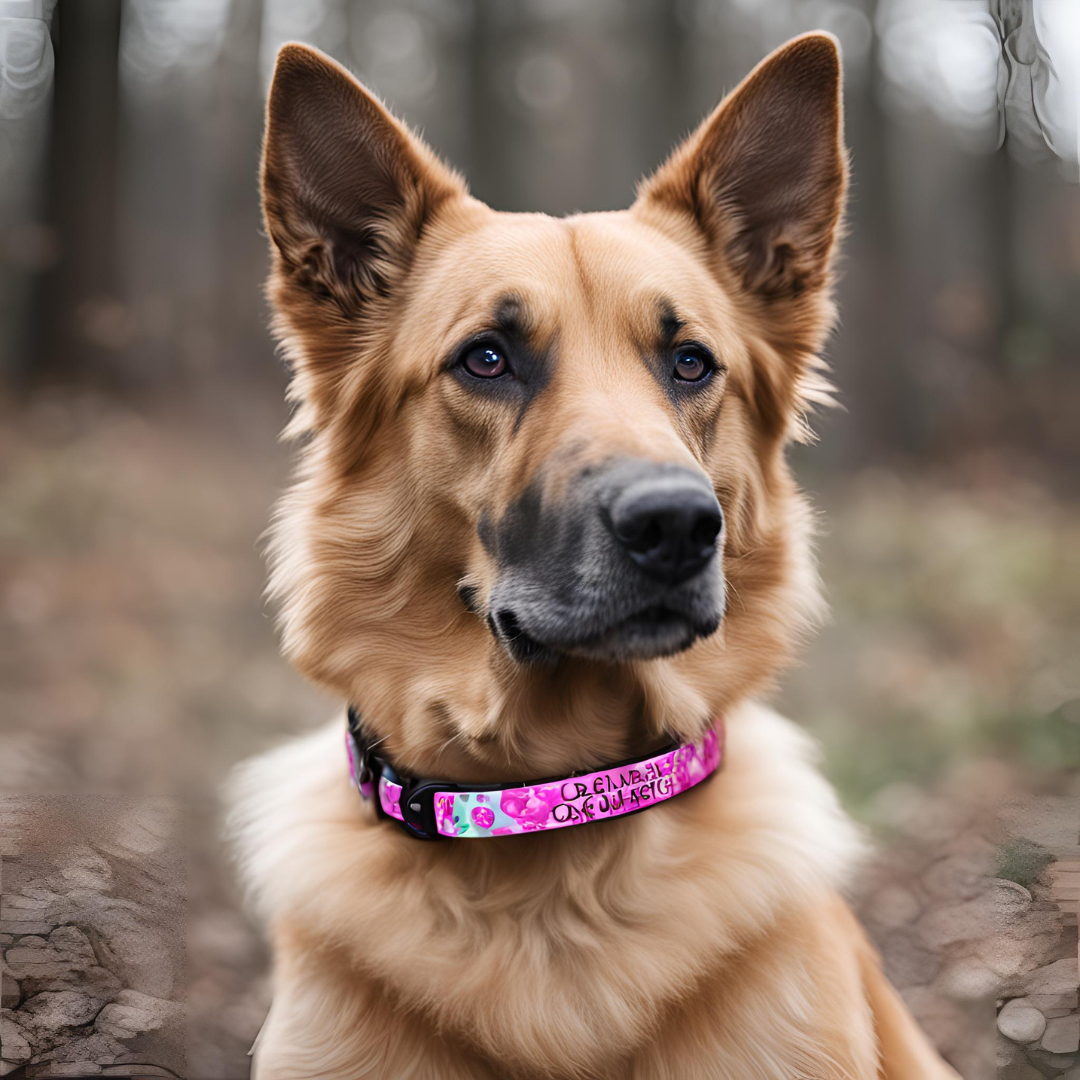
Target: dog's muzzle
624,566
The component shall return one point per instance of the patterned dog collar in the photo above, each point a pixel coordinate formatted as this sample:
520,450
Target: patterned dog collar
438,809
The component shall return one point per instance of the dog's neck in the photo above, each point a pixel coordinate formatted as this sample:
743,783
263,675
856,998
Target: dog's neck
534,723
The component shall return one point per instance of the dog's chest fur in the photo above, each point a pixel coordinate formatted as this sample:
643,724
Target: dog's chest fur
586,949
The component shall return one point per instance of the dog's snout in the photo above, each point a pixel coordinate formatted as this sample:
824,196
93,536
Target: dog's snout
668,524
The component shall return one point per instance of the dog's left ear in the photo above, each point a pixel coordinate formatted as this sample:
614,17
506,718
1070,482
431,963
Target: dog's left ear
764,179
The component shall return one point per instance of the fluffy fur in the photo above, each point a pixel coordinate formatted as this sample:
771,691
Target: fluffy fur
702,939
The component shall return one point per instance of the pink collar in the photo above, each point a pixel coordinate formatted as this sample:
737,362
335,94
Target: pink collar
437,809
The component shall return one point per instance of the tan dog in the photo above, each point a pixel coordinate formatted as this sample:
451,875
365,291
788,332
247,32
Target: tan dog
544,521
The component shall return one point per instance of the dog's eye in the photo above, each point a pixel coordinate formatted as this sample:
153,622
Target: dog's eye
692,363
485,362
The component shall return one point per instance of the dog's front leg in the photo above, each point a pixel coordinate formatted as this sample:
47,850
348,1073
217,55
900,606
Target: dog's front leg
329,1022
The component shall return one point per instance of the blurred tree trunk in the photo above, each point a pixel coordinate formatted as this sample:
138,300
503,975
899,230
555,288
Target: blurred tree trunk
488,136
26,248
877,376
237,132
78,321
670,116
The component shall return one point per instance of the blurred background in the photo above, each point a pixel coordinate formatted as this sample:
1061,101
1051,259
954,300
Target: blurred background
140,393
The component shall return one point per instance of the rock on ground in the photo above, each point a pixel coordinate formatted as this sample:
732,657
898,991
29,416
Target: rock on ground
1062,1035
133,1014
104,938
100,1049
63,961
1020,1021
61,1009
14,1045
1060,977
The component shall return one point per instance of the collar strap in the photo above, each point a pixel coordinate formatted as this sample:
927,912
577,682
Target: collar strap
437,809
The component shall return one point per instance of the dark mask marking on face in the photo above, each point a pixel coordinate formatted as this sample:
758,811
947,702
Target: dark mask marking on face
659,354
485,529
670,324
513,334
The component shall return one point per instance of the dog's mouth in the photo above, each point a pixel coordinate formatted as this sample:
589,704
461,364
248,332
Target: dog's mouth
523,647
649,633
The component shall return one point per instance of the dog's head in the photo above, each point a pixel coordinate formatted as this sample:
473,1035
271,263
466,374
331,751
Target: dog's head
543,484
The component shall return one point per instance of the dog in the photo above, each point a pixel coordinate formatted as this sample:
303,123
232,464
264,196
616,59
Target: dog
543,522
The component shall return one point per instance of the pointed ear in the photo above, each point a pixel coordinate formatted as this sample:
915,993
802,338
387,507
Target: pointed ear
346,188
764,176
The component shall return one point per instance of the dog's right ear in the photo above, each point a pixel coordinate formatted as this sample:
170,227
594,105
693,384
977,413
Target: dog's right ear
346,188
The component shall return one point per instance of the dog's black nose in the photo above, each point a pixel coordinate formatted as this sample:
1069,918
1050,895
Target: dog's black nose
668,523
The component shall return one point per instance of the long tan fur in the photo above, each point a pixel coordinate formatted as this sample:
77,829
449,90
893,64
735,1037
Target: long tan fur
705,938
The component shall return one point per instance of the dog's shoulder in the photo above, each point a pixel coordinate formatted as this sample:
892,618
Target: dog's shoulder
279,803
768,826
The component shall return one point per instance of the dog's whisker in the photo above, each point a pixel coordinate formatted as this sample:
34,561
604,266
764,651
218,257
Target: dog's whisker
730,587
378,742
447,743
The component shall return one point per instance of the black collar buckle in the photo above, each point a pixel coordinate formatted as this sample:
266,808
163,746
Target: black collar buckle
417,796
